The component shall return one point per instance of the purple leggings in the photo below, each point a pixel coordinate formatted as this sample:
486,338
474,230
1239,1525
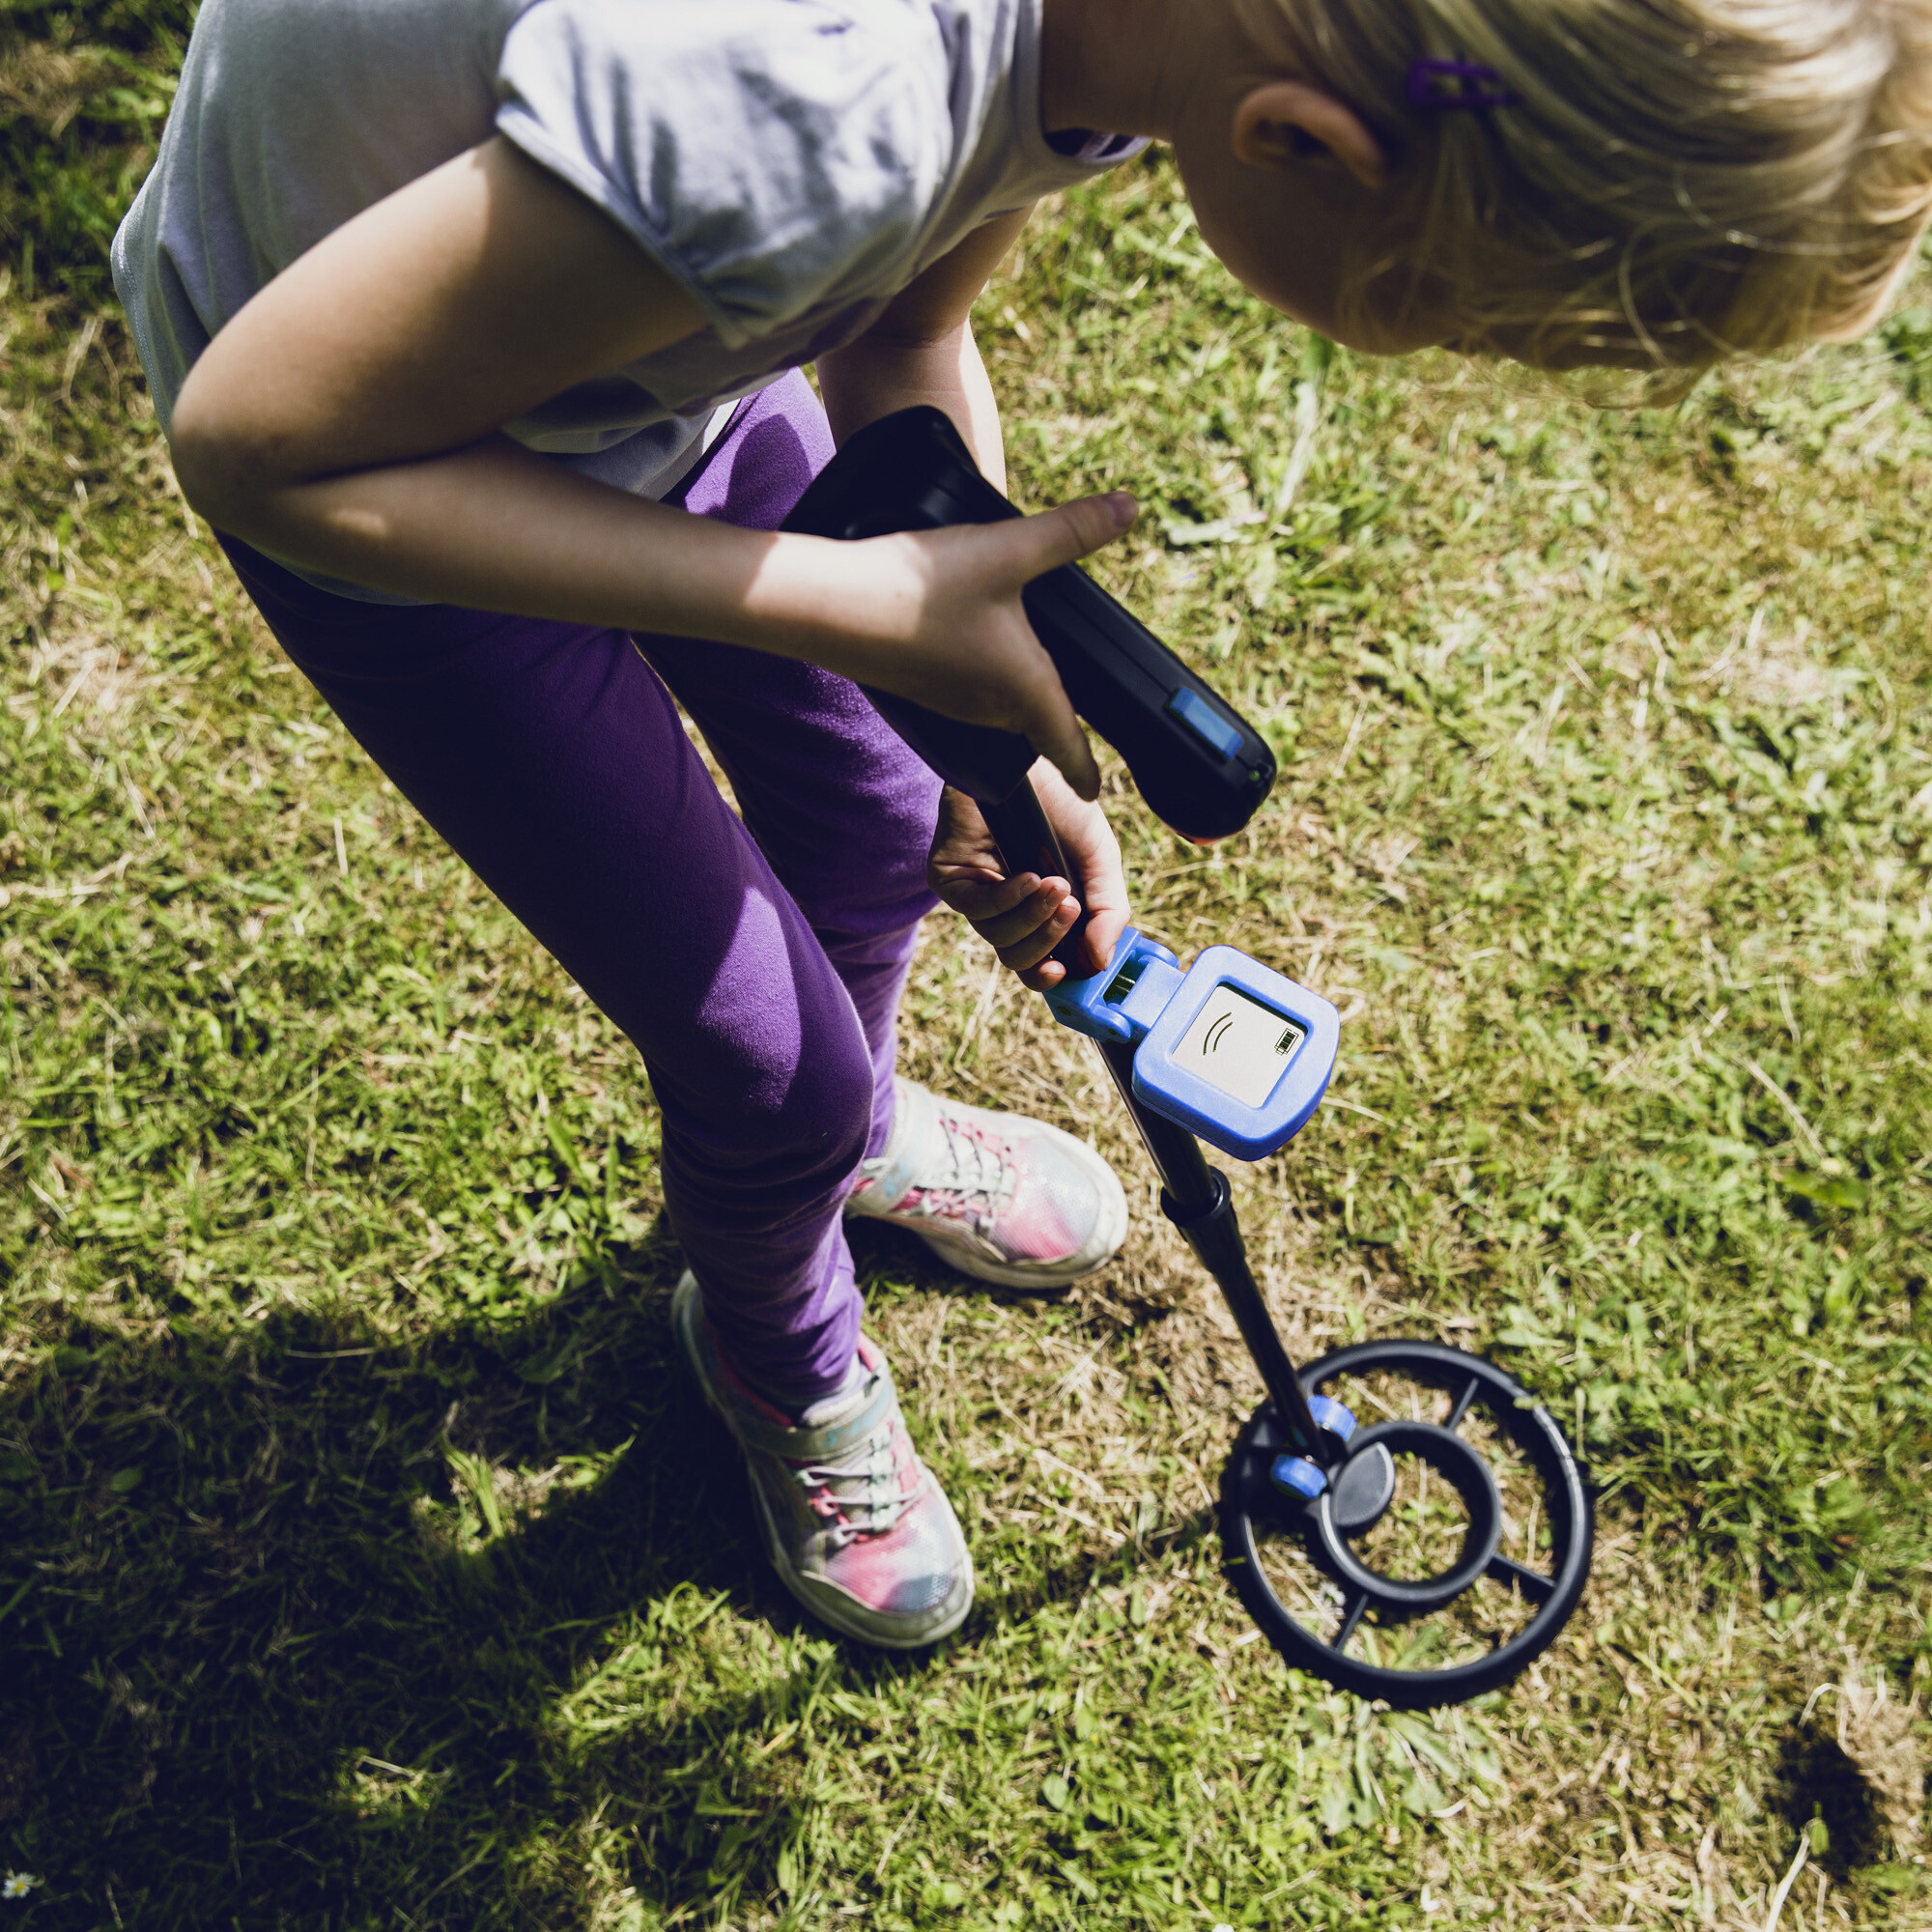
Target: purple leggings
757,965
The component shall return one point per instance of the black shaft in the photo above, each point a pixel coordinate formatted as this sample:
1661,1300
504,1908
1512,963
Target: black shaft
1196,1198
1187,1181
1193,1195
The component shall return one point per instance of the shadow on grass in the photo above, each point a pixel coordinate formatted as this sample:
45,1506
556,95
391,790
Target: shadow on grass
271,1657
1817,1780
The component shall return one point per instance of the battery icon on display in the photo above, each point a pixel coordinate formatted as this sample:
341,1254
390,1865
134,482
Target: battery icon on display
1239,1045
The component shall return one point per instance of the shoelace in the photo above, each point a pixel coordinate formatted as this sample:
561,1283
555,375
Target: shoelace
979,1169
877,1469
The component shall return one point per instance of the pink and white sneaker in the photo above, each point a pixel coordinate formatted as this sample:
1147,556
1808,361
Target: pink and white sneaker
1003,1197
852,1519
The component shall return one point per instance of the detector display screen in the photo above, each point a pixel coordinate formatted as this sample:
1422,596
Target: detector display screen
1239,1045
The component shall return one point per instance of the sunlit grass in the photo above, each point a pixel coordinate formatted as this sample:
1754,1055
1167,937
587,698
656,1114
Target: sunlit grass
364,1563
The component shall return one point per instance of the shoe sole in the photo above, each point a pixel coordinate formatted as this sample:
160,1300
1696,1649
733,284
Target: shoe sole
829,1605
1034,1278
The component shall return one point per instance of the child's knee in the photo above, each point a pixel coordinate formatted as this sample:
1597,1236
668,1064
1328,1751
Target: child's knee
817,1128
773,1092
782,443
793,1138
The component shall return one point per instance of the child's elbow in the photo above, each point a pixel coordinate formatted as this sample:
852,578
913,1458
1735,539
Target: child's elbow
226,472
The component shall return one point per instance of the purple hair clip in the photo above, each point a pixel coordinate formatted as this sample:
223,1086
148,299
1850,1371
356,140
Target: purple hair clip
1440,86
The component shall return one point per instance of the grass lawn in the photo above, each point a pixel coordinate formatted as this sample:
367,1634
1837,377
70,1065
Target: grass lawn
363,1561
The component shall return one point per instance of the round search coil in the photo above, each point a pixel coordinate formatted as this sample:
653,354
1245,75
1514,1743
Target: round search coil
1361,1493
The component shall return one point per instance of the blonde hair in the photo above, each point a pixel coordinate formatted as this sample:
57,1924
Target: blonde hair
1675,182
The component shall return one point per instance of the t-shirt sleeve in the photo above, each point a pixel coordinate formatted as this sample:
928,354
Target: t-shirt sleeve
773,155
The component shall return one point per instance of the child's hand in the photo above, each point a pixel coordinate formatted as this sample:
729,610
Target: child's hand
957,639
1024,917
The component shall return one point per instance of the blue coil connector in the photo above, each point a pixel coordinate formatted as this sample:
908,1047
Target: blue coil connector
1297,1475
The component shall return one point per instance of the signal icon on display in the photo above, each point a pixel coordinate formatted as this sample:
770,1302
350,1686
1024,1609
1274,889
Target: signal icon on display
1237,1044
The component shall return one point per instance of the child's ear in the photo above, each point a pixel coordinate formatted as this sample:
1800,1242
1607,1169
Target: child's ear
1288,123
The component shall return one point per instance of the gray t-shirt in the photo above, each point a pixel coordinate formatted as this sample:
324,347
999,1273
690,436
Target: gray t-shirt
793,163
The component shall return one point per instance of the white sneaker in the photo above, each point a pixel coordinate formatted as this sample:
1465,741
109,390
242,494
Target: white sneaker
852,1519
1001,1196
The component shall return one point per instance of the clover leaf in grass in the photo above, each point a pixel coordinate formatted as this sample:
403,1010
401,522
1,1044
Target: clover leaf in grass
1893,1879
1826,1190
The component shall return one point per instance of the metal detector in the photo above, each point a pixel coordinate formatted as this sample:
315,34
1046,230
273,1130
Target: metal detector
1423,1558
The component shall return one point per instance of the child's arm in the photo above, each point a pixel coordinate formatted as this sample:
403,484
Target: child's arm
347,419
922,351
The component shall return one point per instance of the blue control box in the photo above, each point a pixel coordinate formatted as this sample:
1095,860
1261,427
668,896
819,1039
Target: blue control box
1230,1049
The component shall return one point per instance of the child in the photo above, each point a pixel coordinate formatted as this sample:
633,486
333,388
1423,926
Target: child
476,332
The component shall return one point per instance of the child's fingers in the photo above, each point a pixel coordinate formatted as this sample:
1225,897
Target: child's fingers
1029,952
985,900
1010,913
1016,935
1052,728
1042,979
1097,941
1071,532
1044,542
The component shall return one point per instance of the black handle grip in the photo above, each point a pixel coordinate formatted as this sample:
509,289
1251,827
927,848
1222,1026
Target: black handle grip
1202,767
987,764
